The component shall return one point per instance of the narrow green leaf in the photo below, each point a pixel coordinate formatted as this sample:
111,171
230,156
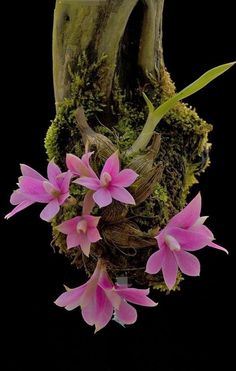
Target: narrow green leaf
156,115
151,107
197,85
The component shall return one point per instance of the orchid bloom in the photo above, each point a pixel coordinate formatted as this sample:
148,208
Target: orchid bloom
81,232
111,184
185,232
99,299
33,187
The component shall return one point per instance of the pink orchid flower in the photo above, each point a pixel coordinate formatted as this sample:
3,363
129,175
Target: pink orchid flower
33,187
185,232
80,167
111,184
99,298
81,232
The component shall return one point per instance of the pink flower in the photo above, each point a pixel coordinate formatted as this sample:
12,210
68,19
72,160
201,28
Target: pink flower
111,184
80,167
33,187
81,231
185,232
98,298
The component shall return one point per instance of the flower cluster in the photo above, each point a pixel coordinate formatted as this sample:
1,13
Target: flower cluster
99,298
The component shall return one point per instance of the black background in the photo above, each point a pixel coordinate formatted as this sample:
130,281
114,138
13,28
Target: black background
189,330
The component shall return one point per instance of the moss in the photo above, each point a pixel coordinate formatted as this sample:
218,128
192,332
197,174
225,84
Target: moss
161,286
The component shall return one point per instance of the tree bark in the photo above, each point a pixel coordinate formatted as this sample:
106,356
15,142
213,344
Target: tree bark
106,28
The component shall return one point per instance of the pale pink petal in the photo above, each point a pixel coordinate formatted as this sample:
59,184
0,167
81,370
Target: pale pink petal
102,197
155,261
113,297
125,178
50,210
76,165
73,240
121,194
28,171
104,280
65,184
189,239
85,244
90,312
69,226
93,235
86,158
112,165
62,198
18,208
90,183
71,298
88,203
218,247
126,313
34,189
50,188
17,197
104,310
92,220
189,215
53,171
199,228
136,296
188,263
169,268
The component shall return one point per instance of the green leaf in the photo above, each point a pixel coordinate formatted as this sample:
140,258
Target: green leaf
151,107
197,85
156,115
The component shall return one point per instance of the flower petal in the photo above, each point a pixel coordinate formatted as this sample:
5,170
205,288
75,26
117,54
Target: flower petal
71,298
17,197
85,244
125,178
112,165
199,228
93,235
126,313
188,239
102,197
28,171
155,261
104,310
50,188
88,182
169,268
68,226
98,311
189,215
218,247
92,220
19,207
50,210
73,240
121,194
34,189
136,296
76,165
64,185
188,263
53,171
